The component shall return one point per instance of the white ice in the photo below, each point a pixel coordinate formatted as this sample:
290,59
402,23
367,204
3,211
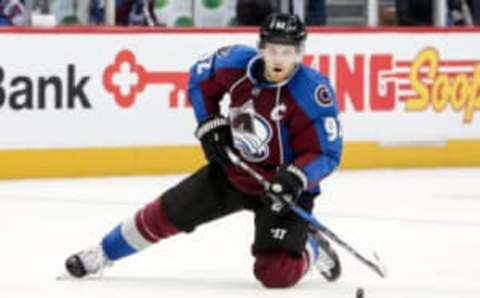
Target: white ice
425,224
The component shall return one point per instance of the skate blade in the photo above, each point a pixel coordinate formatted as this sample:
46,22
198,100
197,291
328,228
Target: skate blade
65,276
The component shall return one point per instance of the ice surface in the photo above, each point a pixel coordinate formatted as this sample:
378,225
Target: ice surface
425,224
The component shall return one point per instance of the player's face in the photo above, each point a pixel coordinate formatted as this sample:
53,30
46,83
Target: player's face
280,61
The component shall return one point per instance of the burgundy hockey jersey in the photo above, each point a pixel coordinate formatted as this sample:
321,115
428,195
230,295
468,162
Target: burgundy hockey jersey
295,121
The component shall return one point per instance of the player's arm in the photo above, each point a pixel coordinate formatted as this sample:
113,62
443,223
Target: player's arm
318,145
205,88
209,81
205,93
211,77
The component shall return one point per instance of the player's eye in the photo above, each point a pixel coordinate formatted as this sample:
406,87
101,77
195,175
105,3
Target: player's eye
288,53
272,51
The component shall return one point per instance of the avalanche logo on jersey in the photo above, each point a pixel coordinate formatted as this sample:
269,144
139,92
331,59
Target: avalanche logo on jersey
251,132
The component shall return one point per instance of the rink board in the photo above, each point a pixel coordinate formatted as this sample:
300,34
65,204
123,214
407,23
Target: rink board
112,101
167,160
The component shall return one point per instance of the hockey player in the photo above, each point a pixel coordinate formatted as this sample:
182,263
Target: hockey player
283,122
128,13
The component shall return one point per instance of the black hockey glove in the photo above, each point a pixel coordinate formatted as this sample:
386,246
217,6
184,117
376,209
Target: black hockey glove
287,186
215,135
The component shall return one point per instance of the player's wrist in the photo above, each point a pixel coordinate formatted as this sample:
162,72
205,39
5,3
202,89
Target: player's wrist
215,135
290,180
298,175
211,124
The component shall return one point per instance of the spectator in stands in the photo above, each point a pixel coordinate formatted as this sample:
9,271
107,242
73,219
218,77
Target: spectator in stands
387,15
97,12
316,13
460,12
420,12
414,12
128,13
254,12
475,7
136,13
12,13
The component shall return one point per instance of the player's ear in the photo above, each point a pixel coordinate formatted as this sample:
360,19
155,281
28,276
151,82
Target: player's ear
300,50
260,45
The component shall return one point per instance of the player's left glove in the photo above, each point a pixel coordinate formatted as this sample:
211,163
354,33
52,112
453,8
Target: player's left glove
287,186
215,135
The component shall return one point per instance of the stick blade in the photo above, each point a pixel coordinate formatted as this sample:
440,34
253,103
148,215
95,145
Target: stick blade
381,269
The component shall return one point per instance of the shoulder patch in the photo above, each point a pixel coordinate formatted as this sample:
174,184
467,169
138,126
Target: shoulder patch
323,97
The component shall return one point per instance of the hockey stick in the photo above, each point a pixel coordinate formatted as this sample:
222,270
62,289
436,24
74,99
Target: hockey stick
376,265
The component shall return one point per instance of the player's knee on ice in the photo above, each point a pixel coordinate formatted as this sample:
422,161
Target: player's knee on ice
279,269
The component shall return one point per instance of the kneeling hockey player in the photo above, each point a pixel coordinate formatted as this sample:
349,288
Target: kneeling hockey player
283,122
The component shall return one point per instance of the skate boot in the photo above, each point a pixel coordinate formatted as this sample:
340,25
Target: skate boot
323,257
87,262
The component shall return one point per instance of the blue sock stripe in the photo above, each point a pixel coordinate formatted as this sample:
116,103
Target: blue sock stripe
115,246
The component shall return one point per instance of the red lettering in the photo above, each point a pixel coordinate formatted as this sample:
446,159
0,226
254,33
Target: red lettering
382,94
350,82
308,60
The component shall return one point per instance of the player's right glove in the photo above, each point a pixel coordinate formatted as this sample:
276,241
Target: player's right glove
287,186
215,135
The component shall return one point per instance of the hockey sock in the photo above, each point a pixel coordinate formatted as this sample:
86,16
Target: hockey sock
146,227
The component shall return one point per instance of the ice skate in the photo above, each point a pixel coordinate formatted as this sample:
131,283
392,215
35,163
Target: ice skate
323,257
87,262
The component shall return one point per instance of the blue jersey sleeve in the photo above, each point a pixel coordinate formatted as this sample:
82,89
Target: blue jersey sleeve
317,138
208,82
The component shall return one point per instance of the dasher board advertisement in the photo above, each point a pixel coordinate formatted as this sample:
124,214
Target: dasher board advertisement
81,88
